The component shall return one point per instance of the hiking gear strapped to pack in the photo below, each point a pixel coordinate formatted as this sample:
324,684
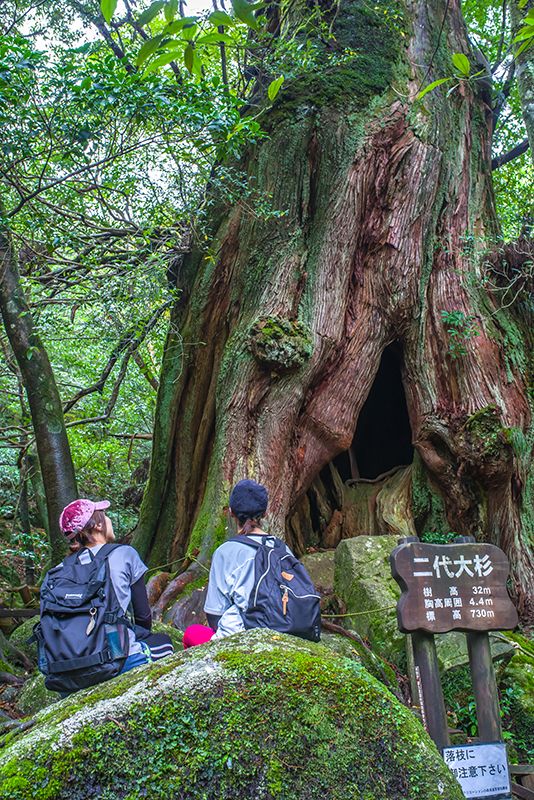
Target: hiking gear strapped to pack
82,637
283,597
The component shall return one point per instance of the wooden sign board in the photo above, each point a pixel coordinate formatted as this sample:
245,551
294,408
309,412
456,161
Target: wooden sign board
452,587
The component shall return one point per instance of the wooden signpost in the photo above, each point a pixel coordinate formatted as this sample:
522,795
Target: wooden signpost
461,586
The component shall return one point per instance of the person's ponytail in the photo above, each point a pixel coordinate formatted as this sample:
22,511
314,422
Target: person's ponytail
248,526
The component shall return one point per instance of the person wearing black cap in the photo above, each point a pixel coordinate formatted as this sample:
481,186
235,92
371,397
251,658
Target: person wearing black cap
232,568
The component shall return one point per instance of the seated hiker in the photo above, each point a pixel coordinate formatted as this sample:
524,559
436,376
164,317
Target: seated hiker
85,635
255,580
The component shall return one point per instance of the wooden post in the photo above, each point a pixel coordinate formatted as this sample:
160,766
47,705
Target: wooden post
483,678
410,668
484,687
427,672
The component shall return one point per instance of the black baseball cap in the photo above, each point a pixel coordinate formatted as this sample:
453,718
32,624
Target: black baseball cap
249,500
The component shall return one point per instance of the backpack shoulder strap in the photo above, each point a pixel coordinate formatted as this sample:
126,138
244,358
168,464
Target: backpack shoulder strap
244,539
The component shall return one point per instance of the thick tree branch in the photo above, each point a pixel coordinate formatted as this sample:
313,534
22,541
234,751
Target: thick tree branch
515,152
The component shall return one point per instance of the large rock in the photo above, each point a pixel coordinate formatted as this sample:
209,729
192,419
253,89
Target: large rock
452,652
320,567
259,715
34,696
357,651
364,583
19,637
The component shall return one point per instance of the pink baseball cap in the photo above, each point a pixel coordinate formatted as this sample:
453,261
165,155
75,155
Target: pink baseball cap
77,514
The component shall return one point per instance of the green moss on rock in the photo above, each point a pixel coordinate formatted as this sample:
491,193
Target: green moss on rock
376,666
517,687
19,638
34,696
280,344
258,715
320,567
364,582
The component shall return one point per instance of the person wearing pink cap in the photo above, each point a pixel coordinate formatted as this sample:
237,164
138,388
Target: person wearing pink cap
88,528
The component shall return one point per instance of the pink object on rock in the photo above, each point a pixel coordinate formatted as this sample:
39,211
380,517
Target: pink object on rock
197,634
77,514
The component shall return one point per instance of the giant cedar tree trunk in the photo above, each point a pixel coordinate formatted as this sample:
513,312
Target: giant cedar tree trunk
43,397
284,321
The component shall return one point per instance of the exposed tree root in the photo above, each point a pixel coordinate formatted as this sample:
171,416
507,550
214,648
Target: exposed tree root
156,585
175,588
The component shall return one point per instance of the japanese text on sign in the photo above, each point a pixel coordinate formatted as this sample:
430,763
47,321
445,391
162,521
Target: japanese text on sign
481,567
446,587
480,769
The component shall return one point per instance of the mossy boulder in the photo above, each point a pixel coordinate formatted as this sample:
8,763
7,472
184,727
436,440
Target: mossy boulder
357,651
258,715
364,583
34,696
19,637
320,567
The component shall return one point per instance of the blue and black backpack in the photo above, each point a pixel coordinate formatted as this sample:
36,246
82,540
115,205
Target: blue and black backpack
283,598
82,637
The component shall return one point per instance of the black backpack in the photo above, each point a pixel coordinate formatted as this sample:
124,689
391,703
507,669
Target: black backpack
82,637
283,598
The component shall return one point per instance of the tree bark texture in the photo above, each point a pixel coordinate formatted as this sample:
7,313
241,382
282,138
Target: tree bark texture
43,396
387,207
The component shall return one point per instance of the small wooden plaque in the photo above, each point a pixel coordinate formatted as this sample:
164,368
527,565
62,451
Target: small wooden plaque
452,587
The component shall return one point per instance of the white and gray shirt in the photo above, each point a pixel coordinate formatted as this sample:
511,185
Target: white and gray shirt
231,582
